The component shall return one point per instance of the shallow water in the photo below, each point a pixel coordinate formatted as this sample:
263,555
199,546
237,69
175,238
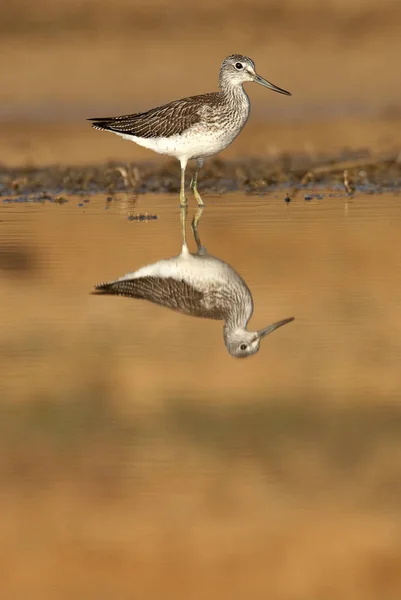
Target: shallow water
137,454
332,263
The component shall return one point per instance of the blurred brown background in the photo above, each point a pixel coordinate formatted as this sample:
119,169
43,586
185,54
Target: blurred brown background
64,61
129,473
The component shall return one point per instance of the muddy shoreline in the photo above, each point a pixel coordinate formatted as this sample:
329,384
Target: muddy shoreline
348,172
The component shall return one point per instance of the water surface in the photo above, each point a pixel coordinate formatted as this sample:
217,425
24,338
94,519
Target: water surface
139,459
333,263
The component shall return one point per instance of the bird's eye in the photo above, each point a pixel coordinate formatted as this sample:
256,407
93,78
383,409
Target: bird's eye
243,347
238,66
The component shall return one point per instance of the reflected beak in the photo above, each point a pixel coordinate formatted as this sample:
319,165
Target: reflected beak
270,328
267,84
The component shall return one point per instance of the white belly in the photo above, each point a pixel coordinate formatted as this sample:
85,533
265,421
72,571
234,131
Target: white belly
197,271
191,144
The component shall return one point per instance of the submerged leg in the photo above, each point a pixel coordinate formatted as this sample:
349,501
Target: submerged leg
183,199
194,182
194,227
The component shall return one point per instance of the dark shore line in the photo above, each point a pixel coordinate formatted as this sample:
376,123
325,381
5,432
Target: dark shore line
348,172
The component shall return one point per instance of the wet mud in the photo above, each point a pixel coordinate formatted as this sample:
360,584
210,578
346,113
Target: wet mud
291,174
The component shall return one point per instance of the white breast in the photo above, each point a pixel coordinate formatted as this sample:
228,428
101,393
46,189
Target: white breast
197,142
192,269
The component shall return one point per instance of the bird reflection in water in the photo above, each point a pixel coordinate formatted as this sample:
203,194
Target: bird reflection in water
200,285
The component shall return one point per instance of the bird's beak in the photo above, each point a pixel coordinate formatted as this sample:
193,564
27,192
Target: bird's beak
258,79
270,328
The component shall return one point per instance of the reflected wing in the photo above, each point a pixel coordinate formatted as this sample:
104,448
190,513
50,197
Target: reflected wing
172,293
163,121
168,292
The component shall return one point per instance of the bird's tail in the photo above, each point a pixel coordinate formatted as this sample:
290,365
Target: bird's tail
130,288
110,289
101,123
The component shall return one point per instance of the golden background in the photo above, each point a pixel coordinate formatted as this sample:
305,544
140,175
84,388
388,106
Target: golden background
137,459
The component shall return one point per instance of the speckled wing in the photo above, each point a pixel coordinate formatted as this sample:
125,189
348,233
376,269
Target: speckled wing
165,291
164,121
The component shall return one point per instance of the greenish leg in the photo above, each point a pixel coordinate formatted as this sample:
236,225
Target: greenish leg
183,199
183,217
194,183
194,227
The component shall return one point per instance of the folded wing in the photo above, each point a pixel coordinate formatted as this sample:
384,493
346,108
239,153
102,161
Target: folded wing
168,292
163,121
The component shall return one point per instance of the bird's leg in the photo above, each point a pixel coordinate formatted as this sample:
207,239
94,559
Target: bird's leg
183,215
194,227
194,182
183,199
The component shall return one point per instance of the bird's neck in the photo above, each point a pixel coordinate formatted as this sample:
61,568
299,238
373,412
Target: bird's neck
234,94
237,318
239,309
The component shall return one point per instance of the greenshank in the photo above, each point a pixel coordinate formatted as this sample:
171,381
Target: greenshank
199,285
196,127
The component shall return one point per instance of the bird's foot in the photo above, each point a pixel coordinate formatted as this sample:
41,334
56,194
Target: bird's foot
198,198
194,187
183,201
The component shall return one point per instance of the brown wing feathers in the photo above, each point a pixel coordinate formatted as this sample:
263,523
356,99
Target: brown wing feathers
168,292
163,121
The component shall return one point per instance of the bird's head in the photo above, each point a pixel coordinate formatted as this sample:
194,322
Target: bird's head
241,343
237,69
